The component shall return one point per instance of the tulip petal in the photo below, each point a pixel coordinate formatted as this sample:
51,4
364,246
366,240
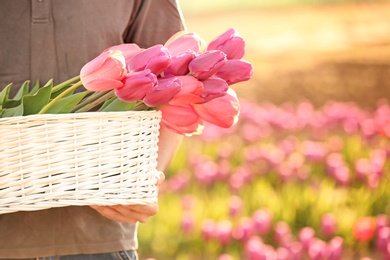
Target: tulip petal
190,92
179,64
230,42
101,85
128,50
155,58
109,67
222,111
162,92
181,119
182,42
235,71
207,64
136,85
214,87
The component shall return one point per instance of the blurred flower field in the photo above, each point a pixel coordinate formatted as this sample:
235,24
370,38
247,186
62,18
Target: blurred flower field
287,182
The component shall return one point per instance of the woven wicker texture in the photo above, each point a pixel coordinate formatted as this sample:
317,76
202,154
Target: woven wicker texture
94,158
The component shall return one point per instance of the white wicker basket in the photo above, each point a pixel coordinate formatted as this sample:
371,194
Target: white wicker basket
94,158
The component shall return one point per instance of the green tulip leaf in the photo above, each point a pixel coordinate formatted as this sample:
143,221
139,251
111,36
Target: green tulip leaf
33,104
4,94
117,105
66,104
35,89
23,90
13,111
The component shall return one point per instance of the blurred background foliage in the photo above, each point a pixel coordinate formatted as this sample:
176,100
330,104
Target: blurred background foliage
309,156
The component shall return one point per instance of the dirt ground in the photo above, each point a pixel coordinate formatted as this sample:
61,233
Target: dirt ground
317,53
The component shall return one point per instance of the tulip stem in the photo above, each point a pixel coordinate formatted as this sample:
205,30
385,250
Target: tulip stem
65,83
100,99
95,96
141,106
63,94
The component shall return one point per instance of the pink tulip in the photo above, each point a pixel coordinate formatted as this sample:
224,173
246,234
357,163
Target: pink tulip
105,72
187,223
328,225
235,71
225,257
317,250
262,221
136,85
335,248
214,87
161,93
244,230
254,248
230,42
188,201
282,233
222,111
224,232
179,64
190,91
209,229
182,42
156,59
181,119
129,50
283,254
207,64
382,238
382,221
235,206
236,181
306,235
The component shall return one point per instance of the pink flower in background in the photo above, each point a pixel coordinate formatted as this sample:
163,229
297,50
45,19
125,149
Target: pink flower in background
187,222
262,221
136,85
105,72
235,206
244,230
305,236
328,225
230,42
318,250
335,248
161,93
207,64
224,232
209,229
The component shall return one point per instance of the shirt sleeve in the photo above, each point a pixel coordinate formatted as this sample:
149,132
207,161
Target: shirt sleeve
153,22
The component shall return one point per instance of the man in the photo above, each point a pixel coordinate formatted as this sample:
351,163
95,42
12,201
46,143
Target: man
44,39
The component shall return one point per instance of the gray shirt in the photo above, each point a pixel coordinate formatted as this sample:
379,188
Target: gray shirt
44,39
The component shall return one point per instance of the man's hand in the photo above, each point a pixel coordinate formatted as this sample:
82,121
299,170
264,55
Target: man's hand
128,213
168,143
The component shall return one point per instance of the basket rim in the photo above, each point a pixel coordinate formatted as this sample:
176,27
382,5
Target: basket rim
83,115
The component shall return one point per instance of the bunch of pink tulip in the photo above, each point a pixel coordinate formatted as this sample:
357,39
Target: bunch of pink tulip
186,80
